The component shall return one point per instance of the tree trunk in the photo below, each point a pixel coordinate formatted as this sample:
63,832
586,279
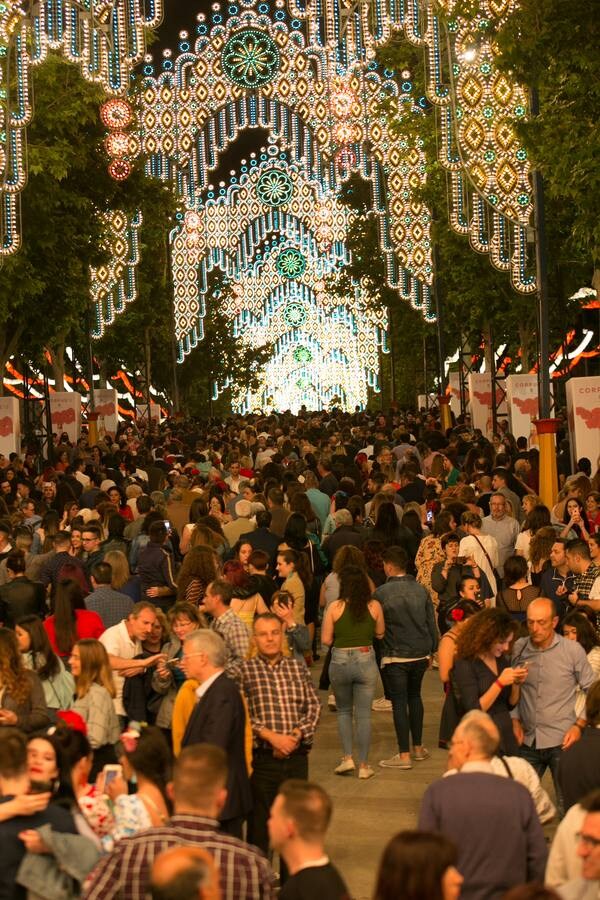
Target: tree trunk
9,341
57,351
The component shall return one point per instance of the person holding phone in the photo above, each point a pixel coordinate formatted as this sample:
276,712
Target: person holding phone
296,635
483,678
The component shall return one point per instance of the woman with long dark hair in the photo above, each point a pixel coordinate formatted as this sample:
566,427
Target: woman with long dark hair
145,756
39,656
349,627
22,701
246,603
416,865
577,627
70,620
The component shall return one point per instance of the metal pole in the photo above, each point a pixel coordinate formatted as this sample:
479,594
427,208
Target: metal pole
173,337
90,360
542,278
440,334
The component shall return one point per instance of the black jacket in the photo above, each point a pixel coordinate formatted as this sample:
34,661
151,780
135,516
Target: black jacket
220,718
21,597
579,767
263,539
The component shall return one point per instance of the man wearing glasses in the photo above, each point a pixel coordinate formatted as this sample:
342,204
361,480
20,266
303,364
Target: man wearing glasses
544,720
588,850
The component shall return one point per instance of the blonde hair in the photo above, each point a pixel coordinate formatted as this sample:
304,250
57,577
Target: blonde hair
95,667
120,568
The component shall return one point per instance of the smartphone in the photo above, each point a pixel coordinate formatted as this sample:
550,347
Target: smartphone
167,525
41,787
111,772
429,516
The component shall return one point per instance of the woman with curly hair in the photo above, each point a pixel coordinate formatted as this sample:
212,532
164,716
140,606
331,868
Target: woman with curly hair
22,701
482,677
431,551
200,566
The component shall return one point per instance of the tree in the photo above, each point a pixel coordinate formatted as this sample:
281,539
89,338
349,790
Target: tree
553,47
45,286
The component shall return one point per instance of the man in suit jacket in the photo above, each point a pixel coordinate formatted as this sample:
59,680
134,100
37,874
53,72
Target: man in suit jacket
492,820
219,718
20,597
262,538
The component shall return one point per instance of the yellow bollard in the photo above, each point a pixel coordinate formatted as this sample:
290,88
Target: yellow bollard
546,429
445,417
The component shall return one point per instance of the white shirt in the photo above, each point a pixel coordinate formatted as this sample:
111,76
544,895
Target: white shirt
202,689
117,642
563,863
472,546
522,772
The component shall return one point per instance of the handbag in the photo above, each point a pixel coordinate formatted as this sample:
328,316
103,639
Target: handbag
495,571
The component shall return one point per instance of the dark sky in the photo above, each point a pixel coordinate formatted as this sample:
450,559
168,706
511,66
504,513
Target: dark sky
181,15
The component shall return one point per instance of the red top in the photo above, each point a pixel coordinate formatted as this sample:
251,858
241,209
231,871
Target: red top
88,625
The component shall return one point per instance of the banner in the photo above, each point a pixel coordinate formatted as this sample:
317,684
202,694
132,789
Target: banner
480,402
454,385
65,409
10,426
142,412
105,402
523,405
583,411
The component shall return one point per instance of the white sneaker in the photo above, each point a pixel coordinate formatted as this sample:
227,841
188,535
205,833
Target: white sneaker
366,771
381,705
345,767
395,762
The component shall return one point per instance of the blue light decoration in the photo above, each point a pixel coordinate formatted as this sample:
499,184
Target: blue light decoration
274,188
291,263
295,314
250,58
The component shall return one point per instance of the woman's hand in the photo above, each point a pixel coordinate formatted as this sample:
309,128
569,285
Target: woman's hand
33,842
117,787
8,717
510,676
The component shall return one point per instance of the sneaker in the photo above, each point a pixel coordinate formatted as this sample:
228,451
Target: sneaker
381,705
331,702
345,767
395,762
366,772
423,754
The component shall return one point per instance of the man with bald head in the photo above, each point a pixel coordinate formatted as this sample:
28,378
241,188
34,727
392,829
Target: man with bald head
492,820
185,873
544,719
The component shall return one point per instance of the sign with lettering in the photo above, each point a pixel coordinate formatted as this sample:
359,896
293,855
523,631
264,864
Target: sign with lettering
523,405
480,402
583,411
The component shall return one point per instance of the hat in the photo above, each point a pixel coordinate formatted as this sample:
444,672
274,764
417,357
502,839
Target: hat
243,509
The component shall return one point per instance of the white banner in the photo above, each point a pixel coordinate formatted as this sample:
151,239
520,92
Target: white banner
454,385
523,405
142,412
480,402
10,426
65,409
583,410
105,402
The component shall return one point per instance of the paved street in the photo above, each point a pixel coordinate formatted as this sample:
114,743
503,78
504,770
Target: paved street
368,813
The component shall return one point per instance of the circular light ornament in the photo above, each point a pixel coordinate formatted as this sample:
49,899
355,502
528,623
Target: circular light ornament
117,144
119,169
192,220
116,113
344,133
302,354
295,314
250,58
291,263
342,101
274,188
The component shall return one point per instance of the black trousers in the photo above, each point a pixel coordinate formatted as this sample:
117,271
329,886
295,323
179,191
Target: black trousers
268,774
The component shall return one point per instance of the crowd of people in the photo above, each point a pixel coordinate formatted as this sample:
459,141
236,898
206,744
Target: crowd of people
172,601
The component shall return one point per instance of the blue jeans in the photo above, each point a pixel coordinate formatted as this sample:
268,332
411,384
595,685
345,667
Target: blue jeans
548,758
353,675
403,684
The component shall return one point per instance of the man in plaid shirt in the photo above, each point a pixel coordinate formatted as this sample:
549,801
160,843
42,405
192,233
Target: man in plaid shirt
284,710
586,573
199,794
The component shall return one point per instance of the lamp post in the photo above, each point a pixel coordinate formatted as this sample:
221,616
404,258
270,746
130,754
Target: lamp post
546,426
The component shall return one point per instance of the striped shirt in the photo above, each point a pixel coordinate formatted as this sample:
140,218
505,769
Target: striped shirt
280,697
125,873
